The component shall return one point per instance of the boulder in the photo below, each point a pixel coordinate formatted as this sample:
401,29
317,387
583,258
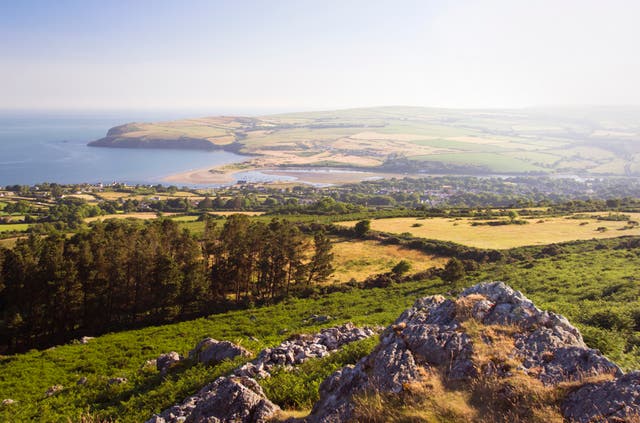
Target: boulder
8,401
165,362
227,399
211,351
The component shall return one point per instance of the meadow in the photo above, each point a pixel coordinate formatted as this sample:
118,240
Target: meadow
354,259
537,231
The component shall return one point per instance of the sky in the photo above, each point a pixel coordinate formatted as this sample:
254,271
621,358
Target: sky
241,55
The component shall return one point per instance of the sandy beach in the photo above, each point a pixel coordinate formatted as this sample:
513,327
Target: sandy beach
304,175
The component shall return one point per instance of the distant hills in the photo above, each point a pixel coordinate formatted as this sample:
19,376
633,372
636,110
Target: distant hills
593,141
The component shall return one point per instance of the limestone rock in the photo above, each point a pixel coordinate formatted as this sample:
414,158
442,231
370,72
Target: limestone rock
230,399
300,348
211,351
165,362
432,336
614,401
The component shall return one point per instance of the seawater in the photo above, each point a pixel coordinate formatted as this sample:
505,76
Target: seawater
52,147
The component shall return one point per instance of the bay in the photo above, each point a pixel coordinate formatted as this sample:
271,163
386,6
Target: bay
51,147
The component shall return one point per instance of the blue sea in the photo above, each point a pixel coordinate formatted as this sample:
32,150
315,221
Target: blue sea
52,147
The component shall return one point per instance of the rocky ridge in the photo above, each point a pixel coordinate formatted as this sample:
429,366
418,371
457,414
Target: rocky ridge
239,398
489,355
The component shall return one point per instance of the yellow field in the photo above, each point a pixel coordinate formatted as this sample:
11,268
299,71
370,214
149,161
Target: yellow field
8,242
538,232
229,213
111,195
359,259
139,215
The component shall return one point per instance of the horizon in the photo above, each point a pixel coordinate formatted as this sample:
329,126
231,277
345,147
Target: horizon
288,56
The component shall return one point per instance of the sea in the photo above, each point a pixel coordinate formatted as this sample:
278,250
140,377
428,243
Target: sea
38,147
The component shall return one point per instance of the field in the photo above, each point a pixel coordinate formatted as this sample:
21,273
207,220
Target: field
592,283
138,215
410,139
14,227
538,231
359,259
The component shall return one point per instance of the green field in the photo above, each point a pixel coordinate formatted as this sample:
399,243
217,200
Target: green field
14,227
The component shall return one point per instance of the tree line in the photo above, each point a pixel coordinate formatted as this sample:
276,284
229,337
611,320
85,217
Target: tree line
120,274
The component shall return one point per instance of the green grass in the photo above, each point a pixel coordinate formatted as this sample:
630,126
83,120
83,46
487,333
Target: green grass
492,161
464,146
26,377
593,283
14,227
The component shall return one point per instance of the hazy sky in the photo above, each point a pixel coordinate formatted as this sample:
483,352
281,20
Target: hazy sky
292,55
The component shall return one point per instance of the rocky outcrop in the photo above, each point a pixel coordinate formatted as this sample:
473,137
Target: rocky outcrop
211,351
239,398
490,331
300,348
233,399
614,401
510,361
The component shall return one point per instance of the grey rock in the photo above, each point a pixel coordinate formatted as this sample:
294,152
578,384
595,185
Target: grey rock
430,335
229,399
300,348
165,362
54,390
117,381
86,339
82,381
8,401
204,406
211,351
614,401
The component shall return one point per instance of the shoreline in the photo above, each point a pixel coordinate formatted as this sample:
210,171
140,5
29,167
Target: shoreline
305,175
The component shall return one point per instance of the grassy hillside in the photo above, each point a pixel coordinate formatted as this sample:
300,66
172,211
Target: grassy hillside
593,283
584,141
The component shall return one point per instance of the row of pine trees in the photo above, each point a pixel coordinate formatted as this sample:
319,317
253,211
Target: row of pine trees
121,274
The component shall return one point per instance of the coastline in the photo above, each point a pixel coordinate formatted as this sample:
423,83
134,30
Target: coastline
309,175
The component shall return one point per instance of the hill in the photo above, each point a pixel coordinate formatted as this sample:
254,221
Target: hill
587,141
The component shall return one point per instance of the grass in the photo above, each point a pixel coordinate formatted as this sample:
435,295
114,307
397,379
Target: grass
550,230
355,259
14,227
593,283
492,161
26,377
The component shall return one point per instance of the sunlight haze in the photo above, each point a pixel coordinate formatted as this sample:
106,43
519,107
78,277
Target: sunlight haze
293,55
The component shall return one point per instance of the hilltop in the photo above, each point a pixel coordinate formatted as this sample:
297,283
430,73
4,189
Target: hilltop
588,141
489,355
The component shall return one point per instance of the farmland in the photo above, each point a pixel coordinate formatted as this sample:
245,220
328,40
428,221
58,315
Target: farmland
359,259
409,139
537,231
